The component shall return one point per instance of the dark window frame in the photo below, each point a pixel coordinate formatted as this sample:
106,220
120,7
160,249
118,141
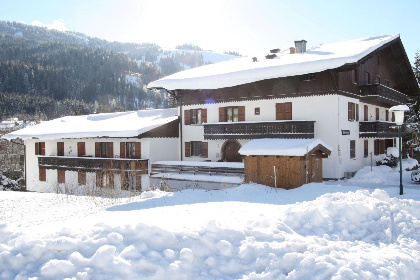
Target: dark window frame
353,111
352,149
195,116
196,148
366,148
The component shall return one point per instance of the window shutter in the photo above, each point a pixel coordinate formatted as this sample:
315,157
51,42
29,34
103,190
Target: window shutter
187,149
122,149
60,148
124,186
110,149
203,115
205,149
61,176
366,148
42,174
97,149
111,181
81,178
37,150
241,113
222,114
357,112
99,179
138,150
366,113
381,146
280,111
288,111
81,149
393,117
377,114
350,111
386,115
187,117
42,147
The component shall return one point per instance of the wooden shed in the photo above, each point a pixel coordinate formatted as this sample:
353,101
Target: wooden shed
284,163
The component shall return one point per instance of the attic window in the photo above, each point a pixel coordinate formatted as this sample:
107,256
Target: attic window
308,77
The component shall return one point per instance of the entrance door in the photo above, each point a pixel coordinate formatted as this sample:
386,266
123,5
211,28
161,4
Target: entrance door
230,152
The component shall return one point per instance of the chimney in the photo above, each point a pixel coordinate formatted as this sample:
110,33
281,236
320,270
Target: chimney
300,46
292,50
275,51
254,59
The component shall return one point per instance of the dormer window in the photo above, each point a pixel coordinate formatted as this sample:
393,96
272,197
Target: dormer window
308,77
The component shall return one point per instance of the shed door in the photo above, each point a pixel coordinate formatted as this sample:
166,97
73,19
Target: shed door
315,171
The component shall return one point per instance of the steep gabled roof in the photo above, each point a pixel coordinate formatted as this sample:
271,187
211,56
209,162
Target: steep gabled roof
243,70
122,124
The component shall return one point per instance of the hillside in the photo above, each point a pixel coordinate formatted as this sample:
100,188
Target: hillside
47,73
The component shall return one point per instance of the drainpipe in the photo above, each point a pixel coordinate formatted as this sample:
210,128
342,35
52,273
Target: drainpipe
180,125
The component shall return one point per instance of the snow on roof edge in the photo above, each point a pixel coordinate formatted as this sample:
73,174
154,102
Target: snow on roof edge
239,77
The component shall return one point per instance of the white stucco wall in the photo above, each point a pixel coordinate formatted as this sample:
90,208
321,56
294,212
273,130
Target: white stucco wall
330,113
151,149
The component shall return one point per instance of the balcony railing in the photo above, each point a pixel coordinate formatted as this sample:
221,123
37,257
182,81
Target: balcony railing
257,130
380,94
93,164
380,129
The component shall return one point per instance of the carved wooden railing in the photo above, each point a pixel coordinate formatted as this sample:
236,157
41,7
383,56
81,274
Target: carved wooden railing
377,129
93,164
382,94
257,130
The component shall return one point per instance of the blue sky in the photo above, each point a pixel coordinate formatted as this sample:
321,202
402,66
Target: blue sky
248,27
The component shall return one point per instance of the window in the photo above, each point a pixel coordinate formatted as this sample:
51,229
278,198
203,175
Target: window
104,149
308,77
353,111
377,80
355,77
105,180
42,174
392,117
130,182
130,150
40,148
81,178
284,111
232,114
81,150
376,147
61,176
60,148
195,116
386,115
196,149
257,111
377,114
379,147
367,78
366,113
366,148
352,148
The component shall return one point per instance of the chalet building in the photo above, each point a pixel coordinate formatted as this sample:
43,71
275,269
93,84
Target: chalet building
103,151
339,93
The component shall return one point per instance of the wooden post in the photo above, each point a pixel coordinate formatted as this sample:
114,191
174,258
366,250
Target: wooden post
371,162
275,178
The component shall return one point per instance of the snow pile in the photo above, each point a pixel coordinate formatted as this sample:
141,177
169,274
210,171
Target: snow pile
250,232
122,124
7,184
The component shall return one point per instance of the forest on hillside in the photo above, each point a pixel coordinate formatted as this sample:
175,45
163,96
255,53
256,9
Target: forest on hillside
46,74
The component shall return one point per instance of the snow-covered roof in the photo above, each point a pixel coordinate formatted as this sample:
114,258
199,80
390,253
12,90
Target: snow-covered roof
243,70
281,147
122,124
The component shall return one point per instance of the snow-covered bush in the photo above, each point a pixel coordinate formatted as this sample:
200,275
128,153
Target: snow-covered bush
7,184
391,158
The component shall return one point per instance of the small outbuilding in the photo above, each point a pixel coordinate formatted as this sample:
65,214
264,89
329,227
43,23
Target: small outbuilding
284,163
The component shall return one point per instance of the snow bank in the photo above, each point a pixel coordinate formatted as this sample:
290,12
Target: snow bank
339,235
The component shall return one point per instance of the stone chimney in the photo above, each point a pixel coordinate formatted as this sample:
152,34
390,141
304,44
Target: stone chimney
292,50
300,46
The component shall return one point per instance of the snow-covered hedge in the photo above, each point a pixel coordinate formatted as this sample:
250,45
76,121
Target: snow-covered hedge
7,184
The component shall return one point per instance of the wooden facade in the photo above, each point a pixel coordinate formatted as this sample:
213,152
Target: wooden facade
286,172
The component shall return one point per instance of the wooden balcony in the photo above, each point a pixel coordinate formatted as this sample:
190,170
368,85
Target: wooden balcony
381,95
93,164
378,129
258,130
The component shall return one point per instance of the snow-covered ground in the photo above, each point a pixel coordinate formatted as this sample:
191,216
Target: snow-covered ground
354,229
